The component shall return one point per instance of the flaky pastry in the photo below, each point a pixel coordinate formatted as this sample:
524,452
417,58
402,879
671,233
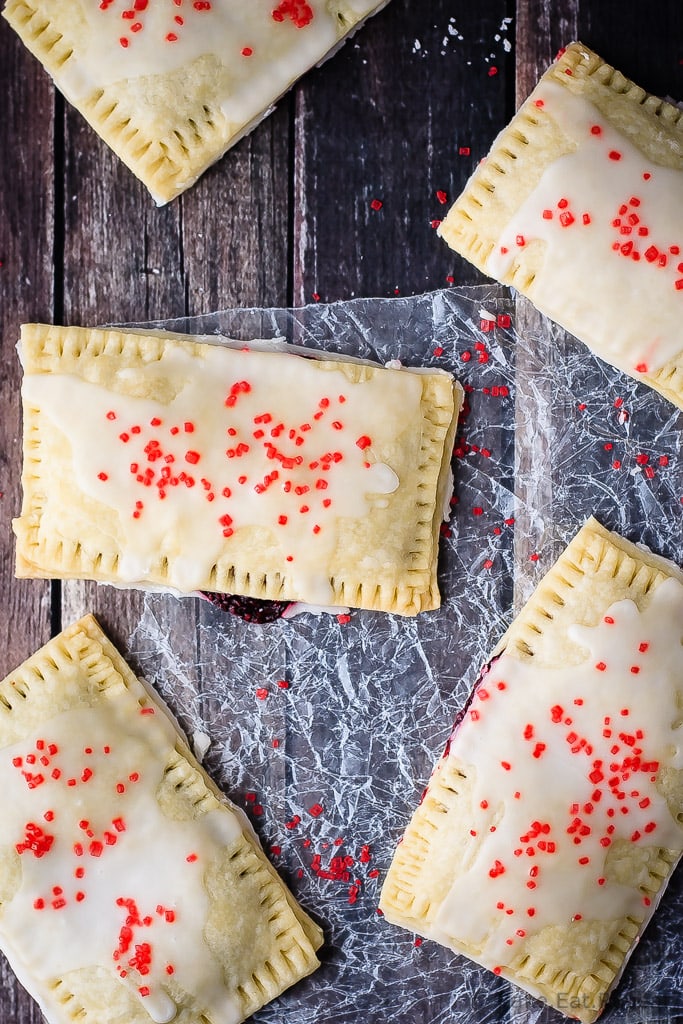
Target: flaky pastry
170,85
577,206
553,821
154,460
130,889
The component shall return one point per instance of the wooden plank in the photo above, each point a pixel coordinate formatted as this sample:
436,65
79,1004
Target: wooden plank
540,33
387,121
26,293
224,243
122,261
645,44
235,246
235,224
646,49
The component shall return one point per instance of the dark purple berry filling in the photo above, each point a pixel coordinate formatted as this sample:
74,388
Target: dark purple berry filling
466,706
251,609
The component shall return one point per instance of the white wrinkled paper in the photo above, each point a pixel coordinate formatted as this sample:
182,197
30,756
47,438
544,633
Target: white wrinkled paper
326,731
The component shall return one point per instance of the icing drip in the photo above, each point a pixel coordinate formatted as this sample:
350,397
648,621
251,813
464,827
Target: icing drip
106,878
248,439
572,757
611,226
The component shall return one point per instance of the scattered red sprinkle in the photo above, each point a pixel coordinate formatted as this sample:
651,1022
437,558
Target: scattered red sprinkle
376,204
298,11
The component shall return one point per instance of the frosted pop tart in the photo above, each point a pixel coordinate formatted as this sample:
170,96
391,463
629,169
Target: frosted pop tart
170,85
553,821
131,889
156,460
577,206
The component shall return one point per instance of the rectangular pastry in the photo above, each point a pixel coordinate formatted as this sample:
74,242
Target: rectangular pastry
553,821
577,206
154,460
171,85
130,889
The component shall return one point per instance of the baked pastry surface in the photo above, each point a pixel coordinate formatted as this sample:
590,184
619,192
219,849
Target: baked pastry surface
130,888
577,206
156,460
552,823
170,85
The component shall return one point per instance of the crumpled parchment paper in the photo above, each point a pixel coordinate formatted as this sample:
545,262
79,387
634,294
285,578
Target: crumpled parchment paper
326,731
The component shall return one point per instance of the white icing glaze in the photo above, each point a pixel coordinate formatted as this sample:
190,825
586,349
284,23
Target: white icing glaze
263,55
600,274
285,393
299,608
110,842
554,788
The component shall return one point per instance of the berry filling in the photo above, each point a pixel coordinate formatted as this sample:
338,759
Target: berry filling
251,609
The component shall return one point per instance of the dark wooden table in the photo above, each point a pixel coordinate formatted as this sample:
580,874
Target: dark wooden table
403,112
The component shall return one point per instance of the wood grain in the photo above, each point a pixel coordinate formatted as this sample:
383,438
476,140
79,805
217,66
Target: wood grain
402,114
235,224
121,260
387,121
26,292
540,33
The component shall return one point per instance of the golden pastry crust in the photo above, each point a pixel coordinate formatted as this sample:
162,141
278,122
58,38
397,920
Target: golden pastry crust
597,565
169,123
255,937
378,551
539,142
571,962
